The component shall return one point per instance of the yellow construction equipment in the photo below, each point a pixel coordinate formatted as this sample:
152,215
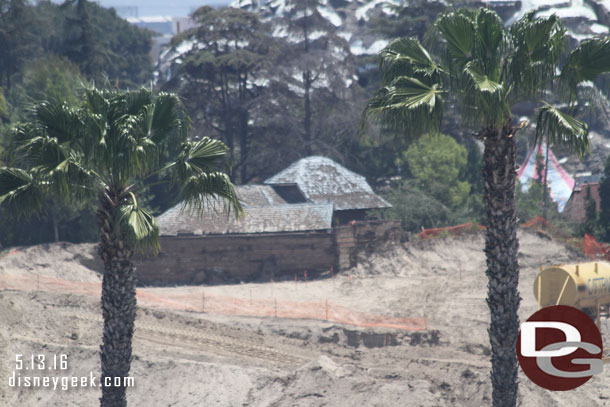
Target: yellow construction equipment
584,285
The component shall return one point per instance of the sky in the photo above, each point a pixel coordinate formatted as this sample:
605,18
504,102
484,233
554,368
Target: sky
172,8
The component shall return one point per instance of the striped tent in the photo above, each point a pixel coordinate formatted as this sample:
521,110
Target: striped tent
560,183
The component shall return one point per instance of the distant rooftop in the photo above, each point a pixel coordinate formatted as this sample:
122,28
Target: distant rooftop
301,198
323,181
266,219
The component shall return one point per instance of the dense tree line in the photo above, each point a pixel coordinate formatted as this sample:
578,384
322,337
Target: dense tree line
272,89
49,51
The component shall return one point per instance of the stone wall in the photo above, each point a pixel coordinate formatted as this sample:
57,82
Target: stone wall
215,259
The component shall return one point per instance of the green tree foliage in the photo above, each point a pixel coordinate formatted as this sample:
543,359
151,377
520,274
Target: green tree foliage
589,224
316,63
222,78
437,163
94,38
18,40
604,196
408,20
49,77
529,203
415,209
107,149
104,45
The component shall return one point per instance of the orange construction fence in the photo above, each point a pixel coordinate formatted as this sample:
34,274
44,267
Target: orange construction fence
590,247
453,230
198,301
594,249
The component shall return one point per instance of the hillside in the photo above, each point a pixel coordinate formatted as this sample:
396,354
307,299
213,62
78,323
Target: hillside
192,358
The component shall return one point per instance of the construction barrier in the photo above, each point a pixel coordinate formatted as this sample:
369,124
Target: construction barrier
594,249
452,230
197,300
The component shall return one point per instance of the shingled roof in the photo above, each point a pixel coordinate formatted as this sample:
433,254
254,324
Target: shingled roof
324,181
265,212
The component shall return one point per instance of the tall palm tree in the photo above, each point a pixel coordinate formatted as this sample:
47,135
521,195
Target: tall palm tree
484,68
111,148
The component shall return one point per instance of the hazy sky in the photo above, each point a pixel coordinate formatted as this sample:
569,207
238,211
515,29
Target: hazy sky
162,7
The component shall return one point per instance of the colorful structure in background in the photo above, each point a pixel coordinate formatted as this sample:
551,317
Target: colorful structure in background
559,182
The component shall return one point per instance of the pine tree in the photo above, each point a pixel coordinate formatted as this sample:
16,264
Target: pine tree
589,224
604,196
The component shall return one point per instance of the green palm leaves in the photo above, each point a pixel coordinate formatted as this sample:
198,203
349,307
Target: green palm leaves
113,145
585,63
562,129
483,69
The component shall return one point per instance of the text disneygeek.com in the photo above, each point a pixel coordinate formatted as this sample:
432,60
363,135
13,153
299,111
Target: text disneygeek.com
39,363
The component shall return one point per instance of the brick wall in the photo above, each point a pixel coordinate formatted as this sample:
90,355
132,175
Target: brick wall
215,259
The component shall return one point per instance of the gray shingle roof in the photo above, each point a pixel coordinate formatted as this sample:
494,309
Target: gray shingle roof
322,180
260,219
258,195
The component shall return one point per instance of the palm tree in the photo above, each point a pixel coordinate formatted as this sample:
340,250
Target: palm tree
111,148
485,68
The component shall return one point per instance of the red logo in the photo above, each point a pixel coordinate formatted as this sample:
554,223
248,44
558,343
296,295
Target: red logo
560,348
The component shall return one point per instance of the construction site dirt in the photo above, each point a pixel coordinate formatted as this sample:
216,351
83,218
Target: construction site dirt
231,345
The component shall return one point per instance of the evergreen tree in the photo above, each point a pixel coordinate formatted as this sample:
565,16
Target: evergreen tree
604,196
17,40
223,76
589,224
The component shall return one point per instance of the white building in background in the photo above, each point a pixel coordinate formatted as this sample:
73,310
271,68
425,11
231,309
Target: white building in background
164,27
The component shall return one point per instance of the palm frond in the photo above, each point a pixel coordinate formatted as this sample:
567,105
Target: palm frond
20,192
458,30
169,118
201,156
406,56
203,191
59,120
590,59
139,226
482,100
407,104
562,129
490,42
538,44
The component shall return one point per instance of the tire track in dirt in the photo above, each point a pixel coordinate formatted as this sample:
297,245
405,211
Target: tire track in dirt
210,342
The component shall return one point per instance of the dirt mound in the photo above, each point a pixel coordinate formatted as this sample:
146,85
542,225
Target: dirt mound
76,262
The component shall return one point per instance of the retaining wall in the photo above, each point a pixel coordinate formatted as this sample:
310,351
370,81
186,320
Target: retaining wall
214,259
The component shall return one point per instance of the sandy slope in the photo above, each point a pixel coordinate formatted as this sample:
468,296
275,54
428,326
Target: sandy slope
194,359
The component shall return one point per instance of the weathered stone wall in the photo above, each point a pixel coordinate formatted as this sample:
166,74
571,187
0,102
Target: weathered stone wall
350,239
215,259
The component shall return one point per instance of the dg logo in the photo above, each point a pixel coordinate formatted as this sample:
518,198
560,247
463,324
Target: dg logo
560,348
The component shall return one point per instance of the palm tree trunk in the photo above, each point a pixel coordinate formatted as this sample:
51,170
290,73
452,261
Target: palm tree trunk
501,248
118,303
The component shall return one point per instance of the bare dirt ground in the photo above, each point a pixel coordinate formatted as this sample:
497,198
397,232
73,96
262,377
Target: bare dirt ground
188,358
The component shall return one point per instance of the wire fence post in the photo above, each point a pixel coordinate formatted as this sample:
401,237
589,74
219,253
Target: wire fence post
275,306
203,301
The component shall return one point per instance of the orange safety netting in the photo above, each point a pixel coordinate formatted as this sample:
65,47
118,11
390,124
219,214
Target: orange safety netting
594,249
199,301
454,230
